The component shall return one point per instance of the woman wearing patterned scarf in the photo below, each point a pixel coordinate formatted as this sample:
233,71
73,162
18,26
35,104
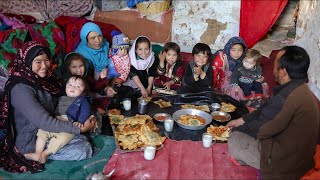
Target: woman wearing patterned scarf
29,101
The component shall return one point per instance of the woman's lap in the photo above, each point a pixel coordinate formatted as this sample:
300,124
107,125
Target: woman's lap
77,149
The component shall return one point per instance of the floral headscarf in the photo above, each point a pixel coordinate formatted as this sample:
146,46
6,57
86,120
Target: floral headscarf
10,158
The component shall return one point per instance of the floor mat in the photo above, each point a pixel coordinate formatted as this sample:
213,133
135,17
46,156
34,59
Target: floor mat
72,169
179,160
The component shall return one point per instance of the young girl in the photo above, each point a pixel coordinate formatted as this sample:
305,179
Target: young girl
198,75
142,70
74,64
170,69
226,60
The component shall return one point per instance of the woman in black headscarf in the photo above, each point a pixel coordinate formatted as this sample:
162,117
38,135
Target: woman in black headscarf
29,100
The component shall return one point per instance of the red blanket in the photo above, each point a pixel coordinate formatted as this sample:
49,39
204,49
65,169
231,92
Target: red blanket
179,160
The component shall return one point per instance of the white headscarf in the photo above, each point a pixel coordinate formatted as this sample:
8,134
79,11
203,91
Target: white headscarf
144,64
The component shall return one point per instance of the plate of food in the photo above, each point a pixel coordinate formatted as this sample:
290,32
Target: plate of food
220,133
161,117
192,119
221,116
134,133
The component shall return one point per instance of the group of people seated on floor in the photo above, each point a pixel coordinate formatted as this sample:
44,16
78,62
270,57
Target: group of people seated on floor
38,107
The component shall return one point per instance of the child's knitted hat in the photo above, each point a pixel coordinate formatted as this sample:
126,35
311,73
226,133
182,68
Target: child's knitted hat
119,40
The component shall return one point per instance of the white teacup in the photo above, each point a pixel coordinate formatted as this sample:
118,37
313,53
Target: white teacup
207,140
126,104
168,125
149,152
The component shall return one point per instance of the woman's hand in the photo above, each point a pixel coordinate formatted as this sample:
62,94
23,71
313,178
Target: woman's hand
109,91
235,123
89,125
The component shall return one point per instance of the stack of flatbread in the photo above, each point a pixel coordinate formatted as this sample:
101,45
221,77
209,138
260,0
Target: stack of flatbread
191,106
135,132
220,133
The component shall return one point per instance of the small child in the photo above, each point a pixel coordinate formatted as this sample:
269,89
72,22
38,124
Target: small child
198,75
170,69
142,70
75,106
120,57
249,78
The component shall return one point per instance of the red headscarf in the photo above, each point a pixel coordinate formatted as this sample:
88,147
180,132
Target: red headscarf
21,72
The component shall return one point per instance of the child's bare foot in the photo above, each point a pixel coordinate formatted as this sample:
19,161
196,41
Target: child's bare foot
32,156
43,157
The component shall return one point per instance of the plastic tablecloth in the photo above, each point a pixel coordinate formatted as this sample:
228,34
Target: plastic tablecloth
179,160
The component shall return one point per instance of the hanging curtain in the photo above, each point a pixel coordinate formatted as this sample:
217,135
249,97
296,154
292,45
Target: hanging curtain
257,17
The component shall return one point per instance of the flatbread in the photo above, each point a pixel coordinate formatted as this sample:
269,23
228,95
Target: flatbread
116,119
220,133
114,112
191,120
135,132
227,107
163,103
191,106
148,99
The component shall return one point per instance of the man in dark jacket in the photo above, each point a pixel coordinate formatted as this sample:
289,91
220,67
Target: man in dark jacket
280,137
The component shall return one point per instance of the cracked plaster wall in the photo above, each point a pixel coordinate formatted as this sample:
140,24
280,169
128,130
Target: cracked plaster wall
210,22
308,37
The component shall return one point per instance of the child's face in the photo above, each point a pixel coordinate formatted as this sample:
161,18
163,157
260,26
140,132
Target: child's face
248,63
74,87
236,51
143,50
171,57
200,59
77,67
122,51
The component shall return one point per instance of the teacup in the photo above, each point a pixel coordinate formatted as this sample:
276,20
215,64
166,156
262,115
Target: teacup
207,140
149,152
126,104
168,125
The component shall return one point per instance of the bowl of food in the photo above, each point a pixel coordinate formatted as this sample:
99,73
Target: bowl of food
161,117
221,116
215,107
192,119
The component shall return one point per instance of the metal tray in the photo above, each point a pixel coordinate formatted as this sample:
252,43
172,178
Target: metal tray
202,114
128,151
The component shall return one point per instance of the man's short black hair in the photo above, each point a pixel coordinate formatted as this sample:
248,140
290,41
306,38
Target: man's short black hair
296,61
201,48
